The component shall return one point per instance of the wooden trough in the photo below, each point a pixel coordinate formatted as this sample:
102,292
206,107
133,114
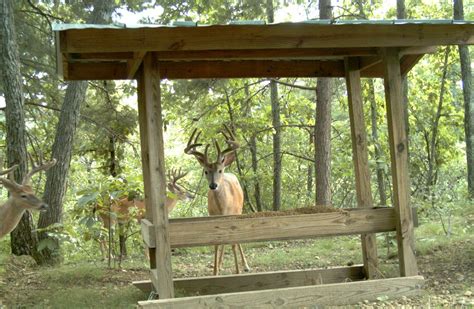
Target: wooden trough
322,49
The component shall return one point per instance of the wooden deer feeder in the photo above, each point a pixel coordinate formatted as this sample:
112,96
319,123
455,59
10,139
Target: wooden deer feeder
349,50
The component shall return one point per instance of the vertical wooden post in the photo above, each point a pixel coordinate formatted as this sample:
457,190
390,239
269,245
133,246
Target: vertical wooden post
153,161
360,159
399,158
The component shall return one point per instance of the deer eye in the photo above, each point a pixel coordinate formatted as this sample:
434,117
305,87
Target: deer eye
205,172
24,195
220,171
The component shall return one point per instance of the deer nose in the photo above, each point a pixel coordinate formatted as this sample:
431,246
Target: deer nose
213,186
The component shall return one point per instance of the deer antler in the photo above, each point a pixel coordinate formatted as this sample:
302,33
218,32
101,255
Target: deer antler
36,169
175,175
191,147
230,140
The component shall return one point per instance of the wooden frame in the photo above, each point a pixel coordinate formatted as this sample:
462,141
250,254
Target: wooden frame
351,51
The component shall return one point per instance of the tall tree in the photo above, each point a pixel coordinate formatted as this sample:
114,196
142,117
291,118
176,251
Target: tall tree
15,118
62,148
276,122
322,129
401,14
466,75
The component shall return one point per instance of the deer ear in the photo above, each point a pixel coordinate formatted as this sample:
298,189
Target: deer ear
170,186
201,161
228,159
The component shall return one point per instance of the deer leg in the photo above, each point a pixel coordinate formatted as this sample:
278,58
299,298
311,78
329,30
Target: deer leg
216,260
244,260
221,257
236,259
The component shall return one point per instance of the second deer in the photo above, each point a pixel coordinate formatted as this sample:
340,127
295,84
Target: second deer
22,198
124,210
225,195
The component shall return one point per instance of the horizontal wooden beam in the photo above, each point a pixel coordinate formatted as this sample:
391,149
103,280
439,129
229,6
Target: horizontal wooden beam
97,71
306,296
235,229
251,68
260,281
277,36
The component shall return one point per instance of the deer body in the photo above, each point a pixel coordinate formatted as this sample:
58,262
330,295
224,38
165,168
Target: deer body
22,198
124,210
227,198
225,195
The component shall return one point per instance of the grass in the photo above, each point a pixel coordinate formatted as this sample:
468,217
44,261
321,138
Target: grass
79,283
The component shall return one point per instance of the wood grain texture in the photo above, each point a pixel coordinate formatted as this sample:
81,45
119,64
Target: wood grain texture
142,123
232,229
300,297
360,159
278,36
399,159
157,182
260,281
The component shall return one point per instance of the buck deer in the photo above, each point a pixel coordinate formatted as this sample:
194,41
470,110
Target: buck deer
123,210
21,198
225,196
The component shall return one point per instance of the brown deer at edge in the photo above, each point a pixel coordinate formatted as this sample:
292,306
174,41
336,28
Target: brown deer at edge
225,195
123,210
21,198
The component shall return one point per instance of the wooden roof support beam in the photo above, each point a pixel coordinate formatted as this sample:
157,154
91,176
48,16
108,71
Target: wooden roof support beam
134,64
399,159
251,68
149,97
360,158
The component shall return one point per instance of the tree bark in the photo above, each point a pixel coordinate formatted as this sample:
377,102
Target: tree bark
22,238
466,76
56,180
401,14
277,158
378,149
322,129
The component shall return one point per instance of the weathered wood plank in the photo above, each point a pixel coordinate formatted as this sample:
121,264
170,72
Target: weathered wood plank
278,36
134,64
260,281
188,233
148,233
96,71
300,297
268,54
217,69
157,182
399,159
408,62
142,123
360,158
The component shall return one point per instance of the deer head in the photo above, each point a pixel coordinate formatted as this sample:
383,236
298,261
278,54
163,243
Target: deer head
173,187
22,194
214,171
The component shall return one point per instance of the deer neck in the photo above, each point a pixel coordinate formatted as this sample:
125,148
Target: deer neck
10,215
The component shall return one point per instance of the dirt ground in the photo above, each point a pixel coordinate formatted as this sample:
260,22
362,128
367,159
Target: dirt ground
449,274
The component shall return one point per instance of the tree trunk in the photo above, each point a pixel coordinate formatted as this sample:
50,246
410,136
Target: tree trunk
277,128
378,149
22,238
322,129
432,155
253,151
466,75
401,14
56,185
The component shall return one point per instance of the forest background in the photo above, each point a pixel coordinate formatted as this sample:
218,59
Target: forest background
91,127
